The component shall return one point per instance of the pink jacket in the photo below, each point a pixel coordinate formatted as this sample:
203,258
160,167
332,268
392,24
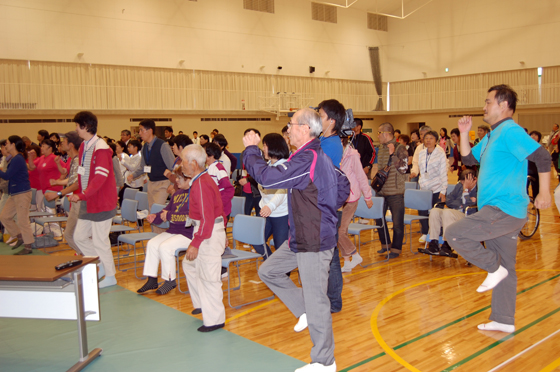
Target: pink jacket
352,166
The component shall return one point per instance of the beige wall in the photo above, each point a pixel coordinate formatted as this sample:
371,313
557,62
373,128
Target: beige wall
472,36
214,35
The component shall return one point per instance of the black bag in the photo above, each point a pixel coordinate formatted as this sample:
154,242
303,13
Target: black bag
381,177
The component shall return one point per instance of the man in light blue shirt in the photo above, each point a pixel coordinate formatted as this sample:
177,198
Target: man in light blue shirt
502,156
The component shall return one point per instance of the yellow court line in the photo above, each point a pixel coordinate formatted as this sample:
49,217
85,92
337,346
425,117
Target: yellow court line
250,310
378,267
375,314
389,351
552,366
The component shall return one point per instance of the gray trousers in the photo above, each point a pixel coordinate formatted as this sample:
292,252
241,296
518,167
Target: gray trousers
310,299
499,231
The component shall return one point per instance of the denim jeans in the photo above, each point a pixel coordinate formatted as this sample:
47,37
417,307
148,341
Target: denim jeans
278,228
250,202
396,204
334,291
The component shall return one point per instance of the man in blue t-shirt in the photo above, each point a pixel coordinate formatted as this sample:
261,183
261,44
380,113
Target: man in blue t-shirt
333,115
502,156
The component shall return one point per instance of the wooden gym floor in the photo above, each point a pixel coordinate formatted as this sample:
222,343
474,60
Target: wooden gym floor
413,313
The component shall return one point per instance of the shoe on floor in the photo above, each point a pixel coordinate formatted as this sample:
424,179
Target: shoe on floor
364,221
312,367
108,281
383,250
24,251
225,273
393,255
166,287
150,285
433,248
205,329
19,242
447,251
422,239
301,324
196,311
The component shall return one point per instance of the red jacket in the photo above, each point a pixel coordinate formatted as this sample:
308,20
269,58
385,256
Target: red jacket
205,206
101,192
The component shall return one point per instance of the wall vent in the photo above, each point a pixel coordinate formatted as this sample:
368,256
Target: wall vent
154,119
377,22
17,105
323,12
26,121
234,119
266,6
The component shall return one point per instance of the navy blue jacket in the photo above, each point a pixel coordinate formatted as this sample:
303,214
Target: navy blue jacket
454,198
17,176
316,189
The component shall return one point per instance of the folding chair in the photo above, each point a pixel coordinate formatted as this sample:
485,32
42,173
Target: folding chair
411,185
128,211
51,218
132,239
248,230
237,207
36,214
373,213
420,200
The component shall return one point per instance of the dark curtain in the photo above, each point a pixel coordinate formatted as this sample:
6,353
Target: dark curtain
376,72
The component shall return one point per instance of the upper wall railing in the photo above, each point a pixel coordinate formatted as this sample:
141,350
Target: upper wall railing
469,91
50,85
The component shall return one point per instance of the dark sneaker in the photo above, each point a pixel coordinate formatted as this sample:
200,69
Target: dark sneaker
447,251
393,255
383,250
433,248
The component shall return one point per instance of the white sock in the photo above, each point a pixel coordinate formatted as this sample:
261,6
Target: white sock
101,272
493,279
356,260
301,324
108,281
495,326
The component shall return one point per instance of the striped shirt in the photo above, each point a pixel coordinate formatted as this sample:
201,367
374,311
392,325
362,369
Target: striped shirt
433,170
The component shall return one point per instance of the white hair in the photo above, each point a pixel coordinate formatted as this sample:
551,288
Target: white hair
312,119
196,153
425,129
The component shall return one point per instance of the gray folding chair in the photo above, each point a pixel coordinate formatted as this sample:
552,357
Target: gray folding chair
237,207
420,200
373,213
132,239
248,230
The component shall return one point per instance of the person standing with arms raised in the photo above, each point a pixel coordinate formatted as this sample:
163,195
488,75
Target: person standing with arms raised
502,201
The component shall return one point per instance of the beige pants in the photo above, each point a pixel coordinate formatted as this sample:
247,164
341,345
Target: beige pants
92,238
204,277
157,194
71,226
345,245
442,218
18,204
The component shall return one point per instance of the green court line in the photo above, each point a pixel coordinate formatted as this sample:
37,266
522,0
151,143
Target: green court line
440,328
493,345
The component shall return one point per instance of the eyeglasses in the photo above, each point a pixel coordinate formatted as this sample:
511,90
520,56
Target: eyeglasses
290,124
382,132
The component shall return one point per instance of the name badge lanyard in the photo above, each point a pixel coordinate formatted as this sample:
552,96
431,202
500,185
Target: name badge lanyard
189,221
87,147
428,158
485,146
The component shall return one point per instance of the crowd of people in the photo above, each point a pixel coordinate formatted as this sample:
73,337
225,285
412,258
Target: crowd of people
306,182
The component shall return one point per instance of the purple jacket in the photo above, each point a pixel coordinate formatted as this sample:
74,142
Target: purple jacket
316,189
177,212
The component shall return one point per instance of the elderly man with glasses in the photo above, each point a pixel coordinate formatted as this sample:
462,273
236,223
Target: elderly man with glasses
316,189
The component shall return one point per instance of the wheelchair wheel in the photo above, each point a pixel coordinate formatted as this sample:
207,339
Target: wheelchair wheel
533,219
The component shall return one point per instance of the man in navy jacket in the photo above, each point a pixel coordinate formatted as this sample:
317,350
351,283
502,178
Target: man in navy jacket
316,189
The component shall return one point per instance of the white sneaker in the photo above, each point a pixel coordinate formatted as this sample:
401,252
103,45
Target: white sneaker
301,324
422,239
312,367
364,222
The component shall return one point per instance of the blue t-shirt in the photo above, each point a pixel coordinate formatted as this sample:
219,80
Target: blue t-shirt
332,146
502,179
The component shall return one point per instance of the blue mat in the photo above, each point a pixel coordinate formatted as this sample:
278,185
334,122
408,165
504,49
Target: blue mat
136,334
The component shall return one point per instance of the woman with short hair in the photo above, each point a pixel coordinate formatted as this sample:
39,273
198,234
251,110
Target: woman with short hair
19,200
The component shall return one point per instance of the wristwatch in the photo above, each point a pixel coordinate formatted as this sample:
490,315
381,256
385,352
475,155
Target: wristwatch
59,193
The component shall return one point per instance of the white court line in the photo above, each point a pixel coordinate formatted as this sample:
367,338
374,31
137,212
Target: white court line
523,352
